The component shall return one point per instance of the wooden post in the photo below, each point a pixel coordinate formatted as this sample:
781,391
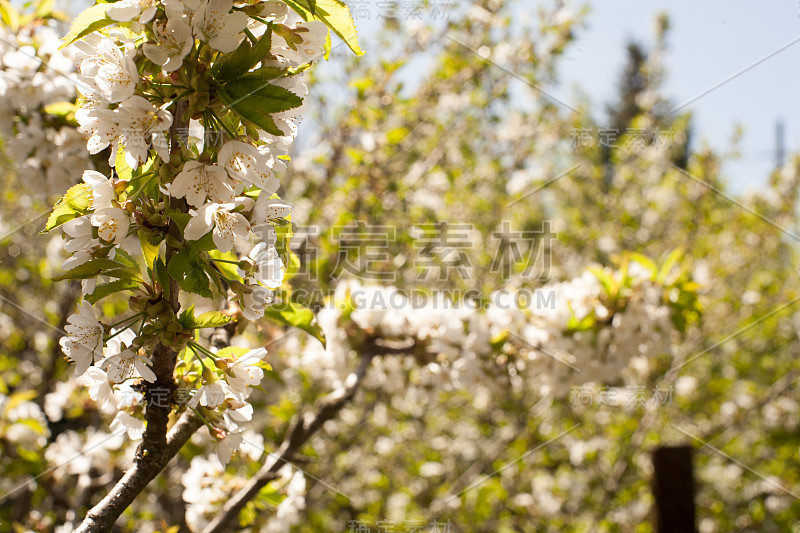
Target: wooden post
673,490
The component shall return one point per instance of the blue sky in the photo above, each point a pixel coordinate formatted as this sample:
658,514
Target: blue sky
710,41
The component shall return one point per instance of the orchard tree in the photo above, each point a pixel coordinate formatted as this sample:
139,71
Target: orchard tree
527,397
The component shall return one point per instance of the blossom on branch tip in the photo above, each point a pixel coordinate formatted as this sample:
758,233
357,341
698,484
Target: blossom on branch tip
245,371
268,264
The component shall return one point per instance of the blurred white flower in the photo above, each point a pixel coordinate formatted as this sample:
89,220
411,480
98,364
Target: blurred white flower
133,426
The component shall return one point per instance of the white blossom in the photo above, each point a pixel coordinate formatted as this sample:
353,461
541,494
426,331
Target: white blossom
140,124
245,371
225,224
214,23
174,40
246,164
84,343
227,446
102,189
122,365
254,303
112,224
126,10
212,395
100,390
133,426
198,181
109,72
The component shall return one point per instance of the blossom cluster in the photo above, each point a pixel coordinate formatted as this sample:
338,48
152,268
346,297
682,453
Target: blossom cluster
36,80
582,338
205,215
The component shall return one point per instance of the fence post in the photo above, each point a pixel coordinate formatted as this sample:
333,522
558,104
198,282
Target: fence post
673,490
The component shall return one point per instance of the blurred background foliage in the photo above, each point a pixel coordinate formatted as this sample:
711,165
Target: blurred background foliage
452,124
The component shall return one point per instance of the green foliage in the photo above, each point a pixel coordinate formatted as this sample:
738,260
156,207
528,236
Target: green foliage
209,319
335,14
189,271
295,315
245,57
72,205
254,98
92,19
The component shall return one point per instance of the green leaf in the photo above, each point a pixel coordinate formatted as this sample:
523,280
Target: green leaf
255,99
575,325
187,315
125,258
189,272
100,266
334,14
9,15
92,19
297,316
610,285
150,242
107,289
230,270
243,58
257,84
211,319
234,352
72,205
162,276
669,263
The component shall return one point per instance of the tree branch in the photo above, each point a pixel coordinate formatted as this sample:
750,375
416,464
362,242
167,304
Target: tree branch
157,446
302,429
146,467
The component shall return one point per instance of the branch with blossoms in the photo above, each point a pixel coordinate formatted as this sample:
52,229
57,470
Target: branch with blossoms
196,103
304,427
